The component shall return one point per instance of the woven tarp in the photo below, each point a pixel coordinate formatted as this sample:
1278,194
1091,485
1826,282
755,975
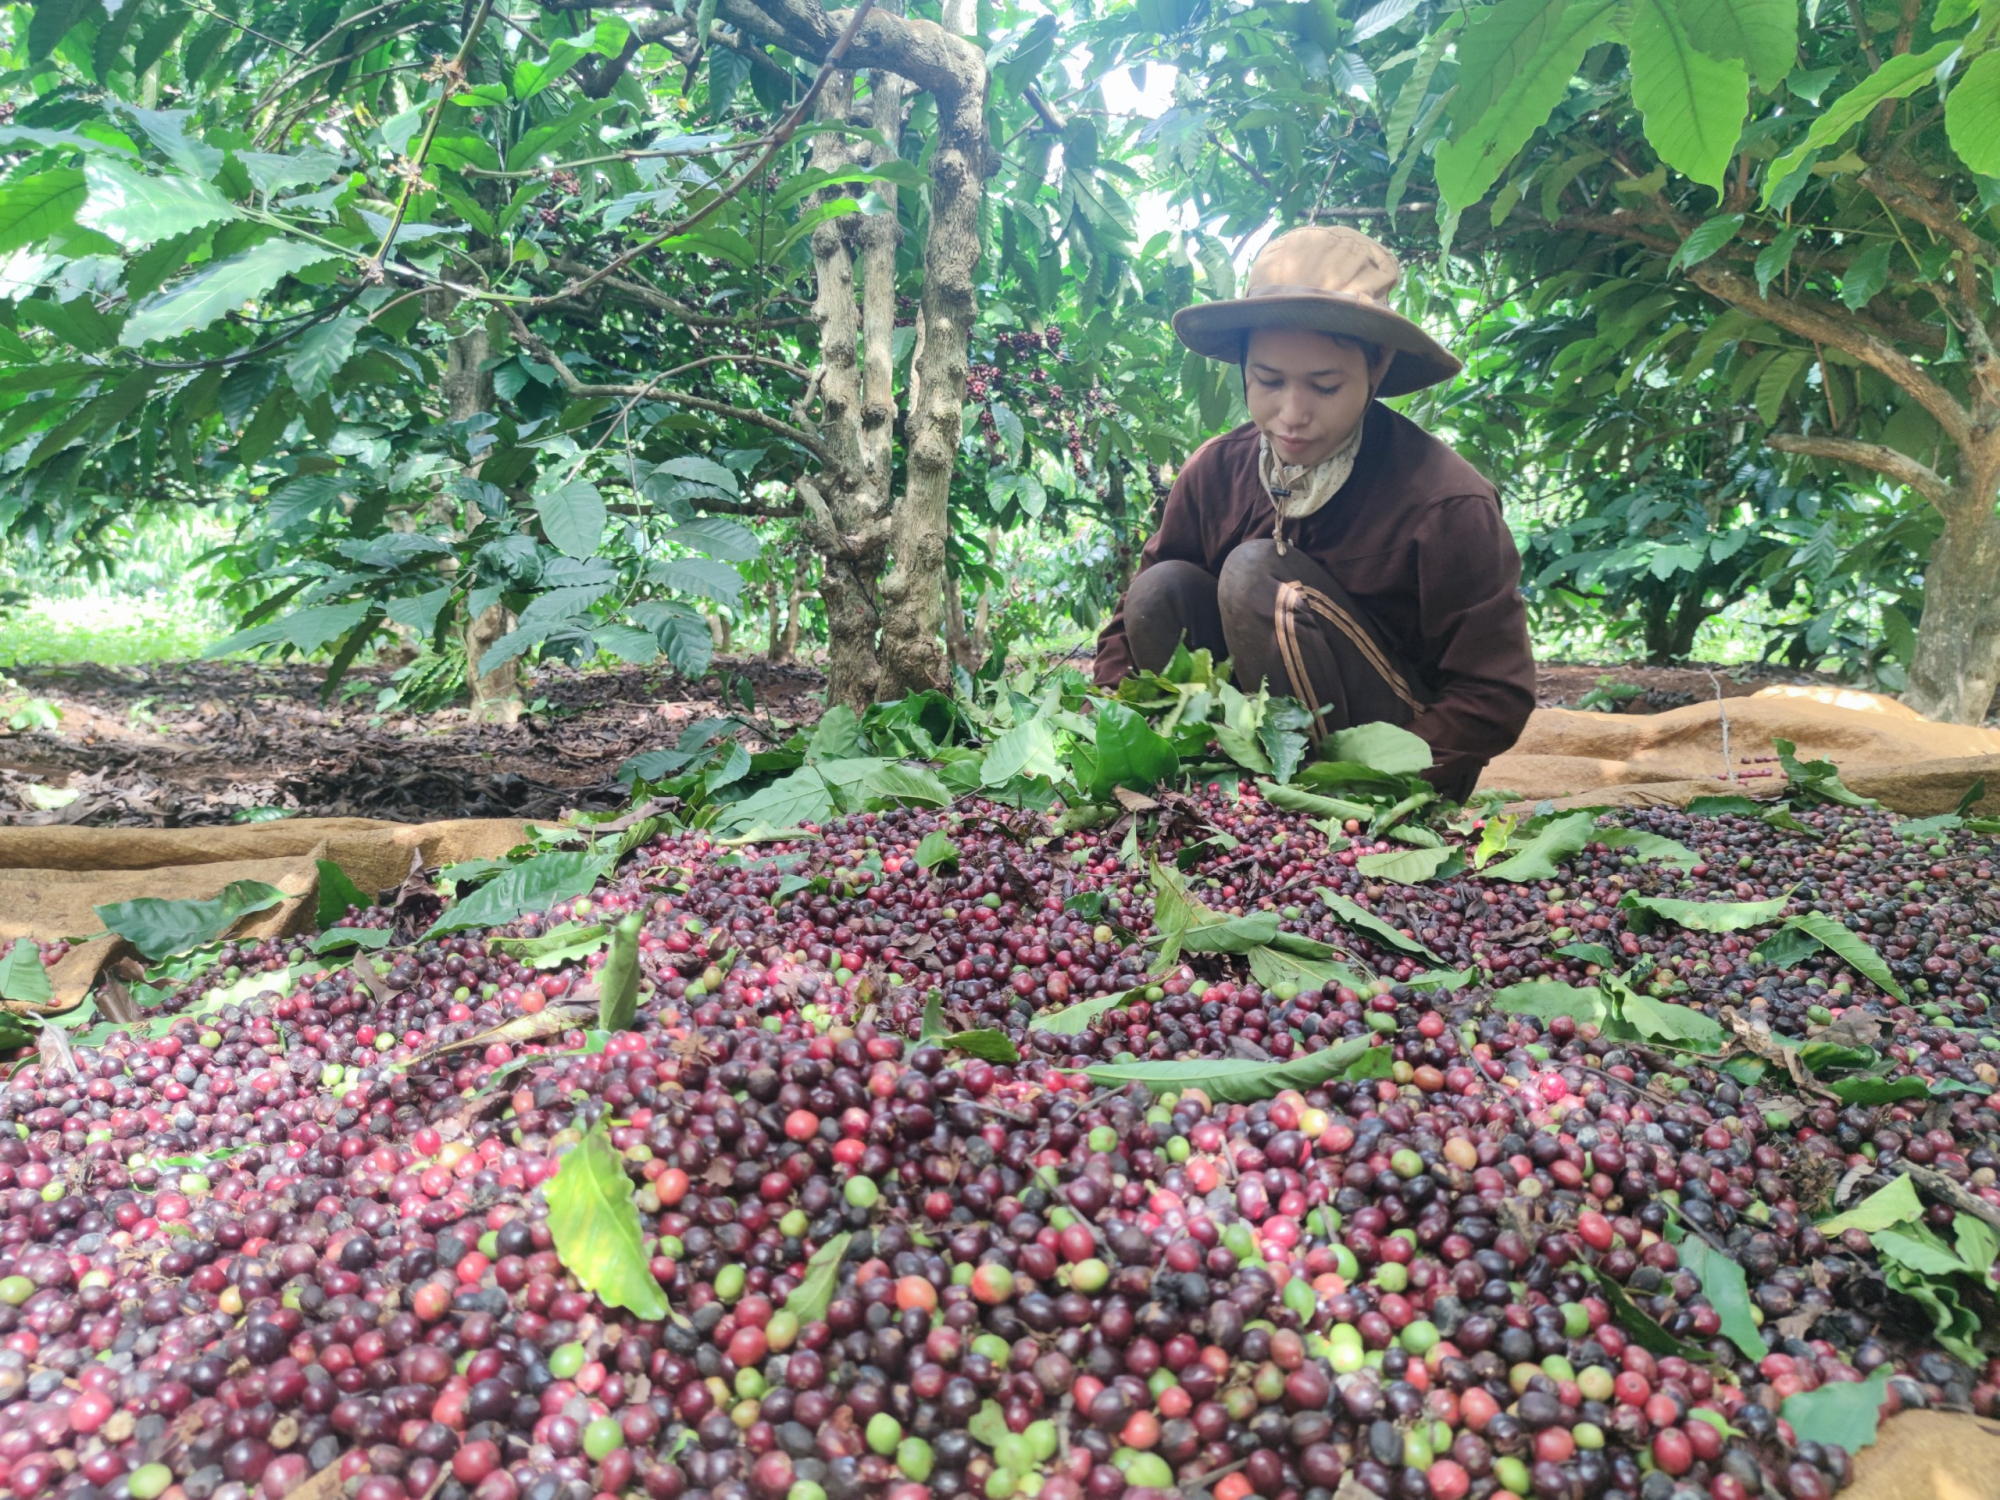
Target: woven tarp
1883,749
1930,1455
52,878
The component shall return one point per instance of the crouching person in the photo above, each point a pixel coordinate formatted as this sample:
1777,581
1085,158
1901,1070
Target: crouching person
1330,547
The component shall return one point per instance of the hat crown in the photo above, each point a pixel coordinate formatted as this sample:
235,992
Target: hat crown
1326,259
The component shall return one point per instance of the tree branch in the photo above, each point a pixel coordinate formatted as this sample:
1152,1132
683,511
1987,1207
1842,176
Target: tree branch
714,505
776,141
921,51
1823,324
1045,111
1885,461
539,347
413,173
648,295
1910,200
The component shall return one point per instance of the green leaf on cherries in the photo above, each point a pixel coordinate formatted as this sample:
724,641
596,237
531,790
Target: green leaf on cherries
935,849
987,1044
1663,1021
1385,748
1272,966
1185,924
814,1294
336,938
1702,916
1235,1081
1728,1292
988,1424
1885,1206
22,976
337,893
556,947
1870,1091
1074,1020
1444,979
1722,806
1127,752
1590,953
1643,1327
1300,946
532,885
160,929
1357,918
1849,948
595,1224
1785,949
1546,999
1545,849
618,980
1840,1412
1651,846
1408,866
1815,780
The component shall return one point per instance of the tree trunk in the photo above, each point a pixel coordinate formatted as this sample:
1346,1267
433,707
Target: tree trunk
883,633
468,390
1957,660
846,518
913,593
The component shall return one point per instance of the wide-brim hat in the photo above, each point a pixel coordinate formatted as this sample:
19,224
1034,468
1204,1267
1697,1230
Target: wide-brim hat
1327,280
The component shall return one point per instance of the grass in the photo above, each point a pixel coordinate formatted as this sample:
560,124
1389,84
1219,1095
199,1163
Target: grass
148,611
111,629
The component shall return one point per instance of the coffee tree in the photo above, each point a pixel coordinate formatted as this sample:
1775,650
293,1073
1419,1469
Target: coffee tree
1819,177
501,325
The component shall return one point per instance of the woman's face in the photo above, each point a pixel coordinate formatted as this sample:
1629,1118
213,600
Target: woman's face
1307,390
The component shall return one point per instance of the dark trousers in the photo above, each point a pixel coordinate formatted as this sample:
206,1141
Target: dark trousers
1281,620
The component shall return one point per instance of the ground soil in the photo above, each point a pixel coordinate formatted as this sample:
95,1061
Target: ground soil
185,743
1570,684
181,744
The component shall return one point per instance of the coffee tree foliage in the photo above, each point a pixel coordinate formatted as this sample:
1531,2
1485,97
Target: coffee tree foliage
1758,219
543,332
503,326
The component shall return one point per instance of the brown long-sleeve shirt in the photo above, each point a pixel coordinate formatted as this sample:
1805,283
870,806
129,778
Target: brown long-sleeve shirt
1416,536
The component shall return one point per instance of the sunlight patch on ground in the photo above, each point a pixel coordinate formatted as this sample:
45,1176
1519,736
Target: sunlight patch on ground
113,629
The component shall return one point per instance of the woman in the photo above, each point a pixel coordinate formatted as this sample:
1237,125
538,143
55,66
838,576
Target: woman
1330,547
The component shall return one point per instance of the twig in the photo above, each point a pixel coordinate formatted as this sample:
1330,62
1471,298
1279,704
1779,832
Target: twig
246,30
611,156
224,361
453,74
787,128
1728,765
1943,1187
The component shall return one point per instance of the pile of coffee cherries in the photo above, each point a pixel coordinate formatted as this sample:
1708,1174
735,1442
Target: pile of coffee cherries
292,1237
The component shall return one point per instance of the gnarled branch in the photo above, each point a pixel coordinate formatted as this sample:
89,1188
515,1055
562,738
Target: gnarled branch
1824,324
1883,460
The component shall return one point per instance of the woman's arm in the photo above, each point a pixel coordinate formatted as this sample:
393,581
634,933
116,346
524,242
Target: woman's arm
1475,631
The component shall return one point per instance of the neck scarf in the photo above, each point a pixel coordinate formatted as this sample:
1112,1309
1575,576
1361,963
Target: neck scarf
1297,491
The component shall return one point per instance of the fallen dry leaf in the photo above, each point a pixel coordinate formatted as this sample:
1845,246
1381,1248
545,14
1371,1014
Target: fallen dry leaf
1755,1037
1853,1027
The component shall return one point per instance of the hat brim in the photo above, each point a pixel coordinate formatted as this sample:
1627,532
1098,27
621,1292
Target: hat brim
1216,329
